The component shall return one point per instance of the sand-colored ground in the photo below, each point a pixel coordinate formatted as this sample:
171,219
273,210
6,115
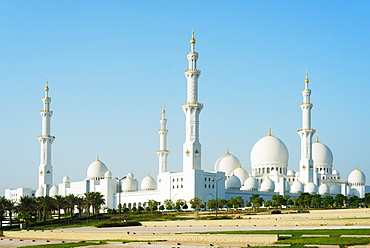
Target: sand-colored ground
316,219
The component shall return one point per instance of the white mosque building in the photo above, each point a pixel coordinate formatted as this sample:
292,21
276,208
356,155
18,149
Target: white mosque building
269,174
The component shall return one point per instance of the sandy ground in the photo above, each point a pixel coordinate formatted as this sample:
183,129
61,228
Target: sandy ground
316,219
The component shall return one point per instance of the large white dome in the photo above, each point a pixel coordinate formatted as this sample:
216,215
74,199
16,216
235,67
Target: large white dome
335,190
250,184
53,191
321,154
324,189
96,170
227,163
267,185
233,182
357,177
280,185
297,187
269,151
148,183
241,173
129,185
39,192
310,188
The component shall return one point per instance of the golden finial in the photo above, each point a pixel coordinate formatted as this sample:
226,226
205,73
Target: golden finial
239,166
163,111
356,167
269,131
97,158
192,41
317,138
47,85
306,80
227,150
148,174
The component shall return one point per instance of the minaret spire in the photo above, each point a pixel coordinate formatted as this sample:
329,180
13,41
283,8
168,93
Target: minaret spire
306,134
45,139
163,152
192,109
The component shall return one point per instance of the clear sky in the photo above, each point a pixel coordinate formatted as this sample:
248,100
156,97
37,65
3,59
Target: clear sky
111,65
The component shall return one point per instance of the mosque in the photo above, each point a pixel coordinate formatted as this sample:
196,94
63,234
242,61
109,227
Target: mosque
269,174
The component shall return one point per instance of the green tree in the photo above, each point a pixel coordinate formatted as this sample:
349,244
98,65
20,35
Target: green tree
71,201
257,201
3,203
45,205
180,203
235,202
327,201
195,203
152,205
59,202
340,200
354,201
168,204
268,203
366,199
11,208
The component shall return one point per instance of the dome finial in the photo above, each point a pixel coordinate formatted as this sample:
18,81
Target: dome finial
239,165
306,79
47,88
317,138
97,158
163,110
227,150
192,41
269,131
356,167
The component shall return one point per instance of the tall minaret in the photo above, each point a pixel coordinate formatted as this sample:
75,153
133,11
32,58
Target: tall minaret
163,152
306,134
45,168
192,146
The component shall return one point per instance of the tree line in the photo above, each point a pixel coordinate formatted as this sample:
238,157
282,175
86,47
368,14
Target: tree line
42,208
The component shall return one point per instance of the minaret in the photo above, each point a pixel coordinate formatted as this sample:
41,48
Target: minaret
306,134
192,146
45,168
163,152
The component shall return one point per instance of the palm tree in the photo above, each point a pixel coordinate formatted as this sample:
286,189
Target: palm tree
94,199
3,203
80,204
59,203
168,204
45,205
71,202
25,208
10,207
195,203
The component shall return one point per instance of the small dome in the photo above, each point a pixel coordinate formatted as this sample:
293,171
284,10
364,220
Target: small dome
250,184
233,182
108,174
269,150
336,173
39,192
297,187
227,163
96,170
148,183
280,184
254,173
53,191
290,173
274,173
357,177
66,179
129,185
335,190
321,154
297,174
241,174
267,185
130,175
324,189
310,188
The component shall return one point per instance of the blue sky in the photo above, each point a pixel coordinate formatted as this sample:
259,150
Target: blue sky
111,65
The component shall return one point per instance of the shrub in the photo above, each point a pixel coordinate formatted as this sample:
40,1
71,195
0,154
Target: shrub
118,224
